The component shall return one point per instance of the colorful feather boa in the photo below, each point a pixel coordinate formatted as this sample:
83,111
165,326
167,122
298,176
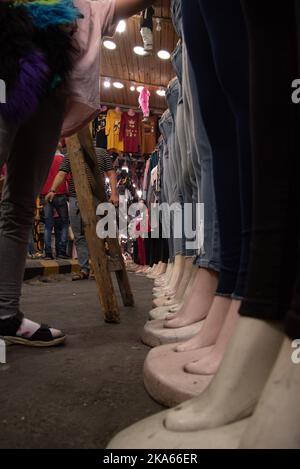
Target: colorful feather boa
47,14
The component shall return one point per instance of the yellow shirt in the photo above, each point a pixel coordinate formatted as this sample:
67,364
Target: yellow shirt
112,130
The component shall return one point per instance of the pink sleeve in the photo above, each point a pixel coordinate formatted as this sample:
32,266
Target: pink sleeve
106,11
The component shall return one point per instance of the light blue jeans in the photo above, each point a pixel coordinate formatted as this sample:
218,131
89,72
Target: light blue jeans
166,127
200,153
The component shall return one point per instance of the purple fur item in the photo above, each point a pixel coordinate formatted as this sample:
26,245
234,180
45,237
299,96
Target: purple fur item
32,82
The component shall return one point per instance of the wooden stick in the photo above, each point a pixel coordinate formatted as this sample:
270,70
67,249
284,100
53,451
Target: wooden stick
96,246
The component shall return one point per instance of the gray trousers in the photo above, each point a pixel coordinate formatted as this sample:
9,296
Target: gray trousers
79,236
28,152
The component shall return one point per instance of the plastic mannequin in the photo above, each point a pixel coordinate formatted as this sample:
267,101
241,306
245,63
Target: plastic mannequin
198,304
166,299
230,398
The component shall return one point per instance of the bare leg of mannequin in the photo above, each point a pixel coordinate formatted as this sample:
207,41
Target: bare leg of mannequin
237,385
198,304
211,360
275,423
211,329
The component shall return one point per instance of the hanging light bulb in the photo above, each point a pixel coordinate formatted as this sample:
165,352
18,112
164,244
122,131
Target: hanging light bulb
132,88
161,92
158,25
110,45
121,28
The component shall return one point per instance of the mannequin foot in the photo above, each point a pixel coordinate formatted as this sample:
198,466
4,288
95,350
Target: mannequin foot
207,365
237,386
198,304
210,362
212,326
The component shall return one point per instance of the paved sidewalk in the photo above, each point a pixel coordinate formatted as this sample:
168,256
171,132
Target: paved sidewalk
81,394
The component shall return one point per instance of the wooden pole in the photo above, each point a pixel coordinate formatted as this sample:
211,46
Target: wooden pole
96,246
95,176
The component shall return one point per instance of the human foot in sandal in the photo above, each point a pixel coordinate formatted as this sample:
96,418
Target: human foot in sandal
82,275
19,330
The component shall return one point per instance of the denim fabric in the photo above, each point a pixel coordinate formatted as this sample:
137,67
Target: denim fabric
28,152
79,236
176,13
176,59
216,39
273,289
59,204
166,126
200,154
175,166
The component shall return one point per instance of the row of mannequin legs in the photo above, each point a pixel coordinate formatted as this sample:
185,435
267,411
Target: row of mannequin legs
224,337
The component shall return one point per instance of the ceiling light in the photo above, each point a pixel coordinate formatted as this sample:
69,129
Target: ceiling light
118,85
164,54
121,28
161,92
106,84
132,88
110,45
139,89
139,51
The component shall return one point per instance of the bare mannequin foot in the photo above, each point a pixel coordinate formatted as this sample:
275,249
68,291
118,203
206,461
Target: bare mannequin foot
198,304
212,326
211,360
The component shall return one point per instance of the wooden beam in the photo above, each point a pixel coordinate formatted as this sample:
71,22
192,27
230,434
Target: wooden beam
87,145
96,246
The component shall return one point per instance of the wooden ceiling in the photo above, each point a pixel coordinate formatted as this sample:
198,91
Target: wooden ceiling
125,66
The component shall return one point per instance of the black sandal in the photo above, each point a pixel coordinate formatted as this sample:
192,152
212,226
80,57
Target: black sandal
41,338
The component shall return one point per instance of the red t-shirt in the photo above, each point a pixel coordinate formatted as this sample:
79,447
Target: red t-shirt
129,133
62,189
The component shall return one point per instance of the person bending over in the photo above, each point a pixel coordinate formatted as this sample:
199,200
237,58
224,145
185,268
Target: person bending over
50,64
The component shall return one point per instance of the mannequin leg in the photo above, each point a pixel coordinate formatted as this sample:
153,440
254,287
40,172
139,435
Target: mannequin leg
209,363
198,304
236,388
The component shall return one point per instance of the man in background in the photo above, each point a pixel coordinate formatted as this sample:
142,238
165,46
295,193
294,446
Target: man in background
106,167
56,208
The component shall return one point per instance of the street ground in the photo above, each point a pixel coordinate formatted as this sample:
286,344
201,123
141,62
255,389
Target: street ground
81,394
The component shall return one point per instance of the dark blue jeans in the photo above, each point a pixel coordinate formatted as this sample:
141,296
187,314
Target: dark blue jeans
59,204
217,43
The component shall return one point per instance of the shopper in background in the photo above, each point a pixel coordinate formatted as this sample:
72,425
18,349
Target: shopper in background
58,207
106,167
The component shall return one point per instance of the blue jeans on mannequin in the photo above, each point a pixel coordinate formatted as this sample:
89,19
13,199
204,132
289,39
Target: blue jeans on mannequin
200,154
217,43
165,125
175,166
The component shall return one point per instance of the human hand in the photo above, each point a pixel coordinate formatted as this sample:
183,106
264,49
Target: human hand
114,199
49,197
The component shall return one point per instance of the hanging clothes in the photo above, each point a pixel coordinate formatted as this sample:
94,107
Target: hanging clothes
129,133
148,135
112,130
100,130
